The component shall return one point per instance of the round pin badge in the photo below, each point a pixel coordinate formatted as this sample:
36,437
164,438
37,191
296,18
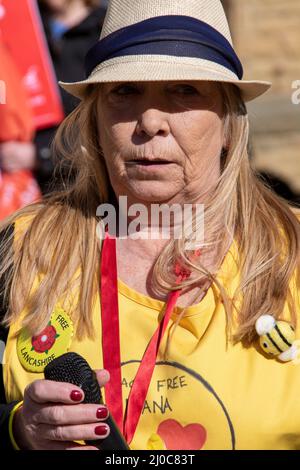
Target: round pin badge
35,352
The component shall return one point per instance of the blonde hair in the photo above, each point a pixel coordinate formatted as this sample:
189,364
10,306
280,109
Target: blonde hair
61,236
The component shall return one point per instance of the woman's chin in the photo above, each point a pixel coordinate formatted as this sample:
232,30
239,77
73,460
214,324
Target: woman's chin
153,191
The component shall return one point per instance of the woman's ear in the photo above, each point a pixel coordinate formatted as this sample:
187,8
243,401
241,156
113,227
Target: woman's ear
225,145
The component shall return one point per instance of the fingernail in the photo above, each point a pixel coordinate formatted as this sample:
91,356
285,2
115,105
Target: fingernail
76,395
101,430
102,413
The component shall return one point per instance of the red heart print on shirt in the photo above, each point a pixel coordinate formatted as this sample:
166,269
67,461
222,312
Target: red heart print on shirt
175,436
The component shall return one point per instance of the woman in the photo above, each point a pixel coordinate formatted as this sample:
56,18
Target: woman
162,120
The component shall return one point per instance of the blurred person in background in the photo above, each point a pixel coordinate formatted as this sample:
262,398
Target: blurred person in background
71,28
17,152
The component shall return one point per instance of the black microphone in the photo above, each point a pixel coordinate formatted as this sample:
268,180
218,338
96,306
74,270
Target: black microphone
74,369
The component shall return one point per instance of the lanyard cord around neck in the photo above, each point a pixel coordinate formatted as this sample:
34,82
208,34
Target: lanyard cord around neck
111,344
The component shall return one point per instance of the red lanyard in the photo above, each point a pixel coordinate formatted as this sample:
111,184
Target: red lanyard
111,344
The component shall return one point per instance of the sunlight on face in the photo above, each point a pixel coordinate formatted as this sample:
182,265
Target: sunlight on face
177,124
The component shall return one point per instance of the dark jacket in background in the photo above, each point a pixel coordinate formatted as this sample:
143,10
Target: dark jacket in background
68,55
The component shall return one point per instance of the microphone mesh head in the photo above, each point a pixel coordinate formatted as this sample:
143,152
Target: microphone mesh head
74,369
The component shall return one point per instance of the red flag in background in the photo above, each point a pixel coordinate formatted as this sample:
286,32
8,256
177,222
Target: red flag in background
22,32
29,98
19,188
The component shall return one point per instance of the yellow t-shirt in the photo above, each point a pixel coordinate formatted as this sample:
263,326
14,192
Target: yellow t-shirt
206,395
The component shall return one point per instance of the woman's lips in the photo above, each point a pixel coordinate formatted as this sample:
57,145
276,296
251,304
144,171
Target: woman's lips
148,162
149,166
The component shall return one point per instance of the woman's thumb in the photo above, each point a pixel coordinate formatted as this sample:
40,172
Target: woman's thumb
102,376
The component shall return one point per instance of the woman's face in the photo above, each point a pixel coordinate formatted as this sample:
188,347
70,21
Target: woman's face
161,141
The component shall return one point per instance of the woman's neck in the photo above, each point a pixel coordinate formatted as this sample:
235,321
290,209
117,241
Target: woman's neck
137,256
136,260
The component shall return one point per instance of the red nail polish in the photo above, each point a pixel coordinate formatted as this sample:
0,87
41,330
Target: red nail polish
101,430
102,413
76,395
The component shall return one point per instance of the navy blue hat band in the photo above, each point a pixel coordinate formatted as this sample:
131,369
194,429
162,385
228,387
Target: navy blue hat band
178,36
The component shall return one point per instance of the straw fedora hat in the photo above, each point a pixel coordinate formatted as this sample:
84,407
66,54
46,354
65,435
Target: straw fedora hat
156,40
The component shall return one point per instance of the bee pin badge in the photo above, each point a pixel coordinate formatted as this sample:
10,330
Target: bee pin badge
276,338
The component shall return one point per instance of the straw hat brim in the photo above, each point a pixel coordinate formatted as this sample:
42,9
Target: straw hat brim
162,68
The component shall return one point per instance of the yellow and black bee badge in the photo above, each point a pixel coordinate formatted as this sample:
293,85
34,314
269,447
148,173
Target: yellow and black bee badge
276,338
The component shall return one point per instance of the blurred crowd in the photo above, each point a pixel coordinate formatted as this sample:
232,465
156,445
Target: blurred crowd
71,27
26,164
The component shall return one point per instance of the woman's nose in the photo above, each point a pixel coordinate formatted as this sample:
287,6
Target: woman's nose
152,122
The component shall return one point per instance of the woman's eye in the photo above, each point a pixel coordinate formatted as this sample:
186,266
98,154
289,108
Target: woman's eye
185,90
124,90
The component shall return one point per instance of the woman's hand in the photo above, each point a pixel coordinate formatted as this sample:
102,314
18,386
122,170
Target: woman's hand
52,417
